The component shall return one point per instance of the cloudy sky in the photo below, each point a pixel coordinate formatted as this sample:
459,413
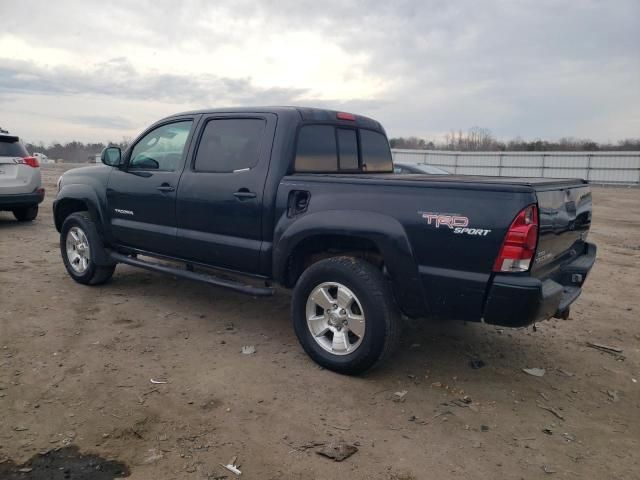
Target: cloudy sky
98,70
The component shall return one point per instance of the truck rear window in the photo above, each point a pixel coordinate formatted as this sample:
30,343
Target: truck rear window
347,149
376,154
11,147
317,150
328,148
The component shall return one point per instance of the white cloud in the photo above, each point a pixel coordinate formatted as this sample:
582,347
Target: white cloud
536,69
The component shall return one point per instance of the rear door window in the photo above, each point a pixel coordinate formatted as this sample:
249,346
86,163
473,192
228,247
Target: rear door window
317,150
376,154
229,144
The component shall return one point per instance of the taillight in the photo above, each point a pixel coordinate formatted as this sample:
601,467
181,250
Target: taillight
31,161
520,243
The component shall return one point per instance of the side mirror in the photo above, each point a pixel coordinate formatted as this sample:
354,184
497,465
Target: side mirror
111,156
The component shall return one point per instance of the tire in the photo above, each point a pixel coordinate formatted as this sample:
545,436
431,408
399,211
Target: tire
365,343
84,270
26,214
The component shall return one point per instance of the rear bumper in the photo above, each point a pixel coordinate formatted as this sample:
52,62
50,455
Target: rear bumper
9,202
519,301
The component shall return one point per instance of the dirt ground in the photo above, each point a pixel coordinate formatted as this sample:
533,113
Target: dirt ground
76,365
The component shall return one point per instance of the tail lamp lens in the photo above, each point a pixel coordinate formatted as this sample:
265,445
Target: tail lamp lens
30,161
520,242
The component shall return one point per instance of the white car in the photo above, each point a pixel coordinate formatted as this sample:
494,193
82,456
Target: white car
42,158
20,180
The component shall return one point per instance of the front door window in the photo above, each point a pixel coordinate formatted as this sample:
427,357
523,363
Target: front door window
162,148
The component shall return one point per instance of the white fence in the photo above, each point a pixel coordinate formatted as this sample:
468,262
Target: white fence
621,168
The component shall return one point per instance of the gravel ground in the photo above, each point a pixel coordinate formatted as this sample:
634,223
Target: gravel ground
76,365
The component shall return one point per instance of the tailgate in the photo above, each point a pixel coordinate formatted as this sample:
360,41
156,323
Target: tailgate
10,178
565,219
13,177
8,168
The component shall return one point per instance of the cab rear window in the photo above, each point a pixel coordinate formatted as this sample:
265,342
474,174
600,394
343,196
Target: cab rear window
332,149
11,147
376,154
317,150
347,149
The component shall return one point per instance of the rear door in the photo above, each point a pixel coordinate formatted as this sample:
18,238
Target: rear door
141,196
219,204
565,219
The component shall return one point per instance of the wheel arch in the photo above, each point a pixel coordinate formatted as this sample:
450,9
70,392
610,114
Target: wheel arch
312,248
77,198
379,239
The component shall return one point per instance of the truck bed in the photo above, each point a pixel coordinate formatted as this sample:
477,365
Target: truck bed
462,263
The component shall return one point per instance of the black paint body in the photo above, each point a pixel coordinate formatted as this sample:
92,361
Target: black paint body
433,271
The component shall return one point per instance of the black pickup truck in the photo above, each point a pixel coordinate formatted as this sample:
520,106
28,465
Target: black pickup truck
307,198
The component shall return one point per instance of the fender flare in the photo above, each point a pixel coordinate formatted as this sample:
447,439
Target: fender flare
384,231
86,195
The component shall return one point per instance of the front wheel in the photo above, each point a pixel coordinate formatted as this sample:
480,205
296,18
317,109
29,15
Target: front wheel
79,242
344,314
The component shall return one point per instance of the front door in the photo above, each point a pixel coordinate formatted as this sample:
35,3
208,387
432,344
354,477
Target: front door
219,208
141,196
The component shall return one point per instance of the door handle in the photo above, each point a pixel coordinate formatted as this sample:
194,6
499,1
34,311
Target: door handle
165,187
243,194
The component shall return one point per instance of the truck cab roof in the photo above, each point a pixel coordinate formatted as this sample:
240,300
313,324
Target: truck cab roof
302,114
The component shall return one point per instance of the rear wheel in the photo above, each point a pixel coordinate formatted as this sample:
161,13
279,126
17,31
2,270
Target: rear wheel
79,242
344,314
26,214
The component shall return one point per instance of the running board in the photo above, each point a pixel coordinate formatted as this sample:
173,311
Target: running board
199,277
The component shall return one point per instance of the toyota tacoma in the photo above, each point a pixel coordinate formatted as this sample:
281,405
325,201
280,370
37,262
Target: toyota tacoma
307,199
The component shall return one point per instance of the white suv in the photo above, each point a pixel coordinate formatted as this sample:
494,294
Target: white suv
20,181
